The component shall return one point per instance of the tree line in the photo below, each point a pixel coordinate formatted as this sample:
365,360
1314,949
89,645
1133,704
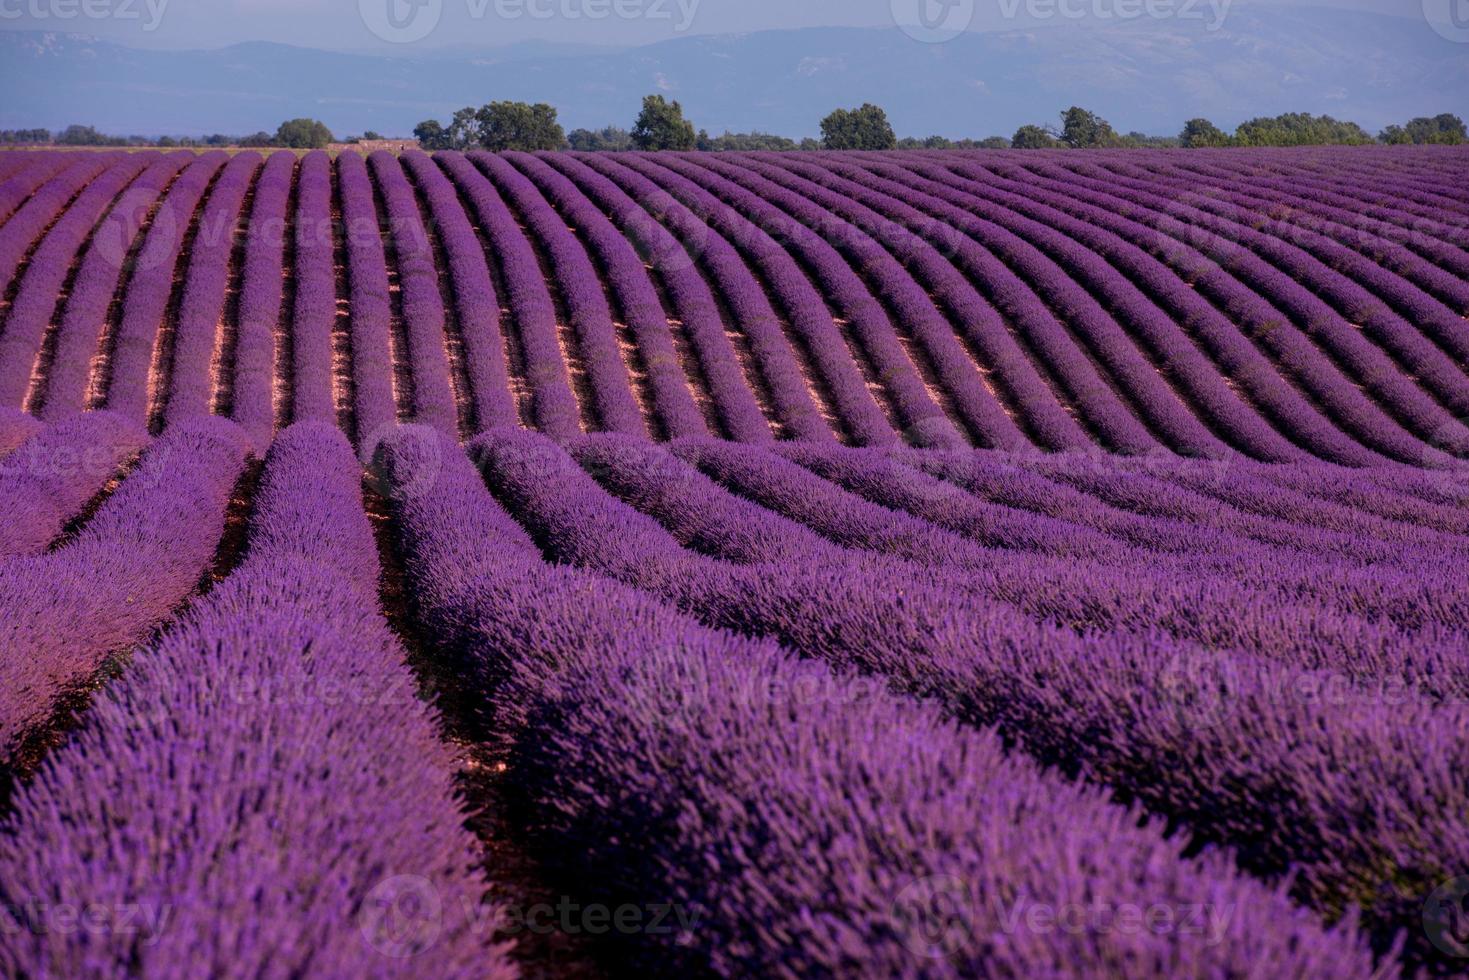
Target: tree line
298,134
1083,129
662,125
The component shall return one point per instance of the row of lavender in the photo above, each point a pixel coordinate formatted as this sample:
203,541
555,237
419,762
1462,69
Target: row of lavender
1345,722
256,792
1196,645
1209,306
857,218
141,719
1320,709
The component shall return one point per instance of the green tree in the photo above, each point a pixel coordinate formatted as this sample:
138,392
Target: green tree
1137,140
11,137
1082,129
944,143
80,136
373,135
1201,133
863,128
1033,138
662,126
519,126
939,143
608,138
432,135
303,134
1445,129
258,140
1299,129
745,142
463,129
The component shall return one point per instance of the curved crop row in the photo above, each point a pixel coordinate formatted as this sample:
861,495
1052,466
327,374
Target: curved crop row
1433,198
629,284
1134,378
34,170
1318,615
51,477
1390,388
476,305
1195,377
1408,496
1106,497
1156,519
1237,358
1246,296
1425,229
375,408
196,336
1216,611
1360,290
1270,518
553,404
679,241
1347,773
131,386
1419,226
734,719
692,304
844,290
1376,576
97,281
586,303
1298,519
62,614
11,163
330,799
874,475
1259,322
252,374
20,234
1431,265
315,307
925,246
851,231
852,402
1015,299
34,306
423,304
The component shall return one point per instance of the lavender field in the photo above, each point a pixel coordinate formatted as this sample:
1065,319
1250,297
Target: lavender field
923,564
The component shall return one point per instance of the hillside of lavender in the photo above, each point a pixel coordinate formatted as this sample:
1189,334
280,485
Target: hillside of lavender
917,564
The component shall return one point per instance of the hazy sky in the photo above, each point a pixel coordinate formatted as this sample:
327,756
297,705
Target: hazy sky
349,24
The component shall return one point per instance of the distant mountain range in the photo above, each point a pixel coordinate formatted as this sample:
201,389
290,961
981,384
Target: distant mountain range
1147,75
